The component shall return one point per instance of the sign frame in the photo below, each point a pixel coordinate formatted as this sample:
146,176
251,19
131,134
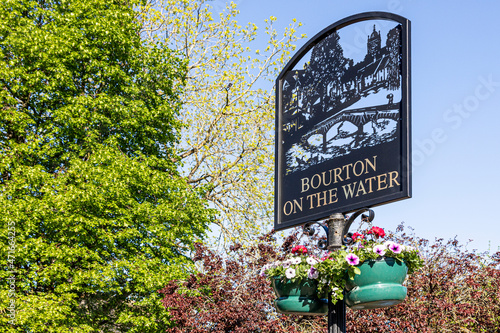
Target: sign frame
404,181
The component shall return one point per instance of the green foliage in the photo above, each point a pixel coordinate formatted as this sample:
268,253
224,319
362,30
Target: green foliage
98,215
227,103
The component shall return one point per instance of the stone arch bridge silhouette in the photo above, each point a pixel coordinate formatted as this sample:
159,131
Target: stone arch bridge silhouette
358,117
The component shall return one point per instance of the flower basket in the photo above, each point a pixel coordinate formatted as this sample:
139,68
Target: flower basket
379,284
368,274
298,297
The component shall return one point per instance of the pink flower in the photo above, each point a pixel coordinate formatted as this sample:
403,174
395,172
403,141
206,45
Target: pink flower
379,249
396,248
352,259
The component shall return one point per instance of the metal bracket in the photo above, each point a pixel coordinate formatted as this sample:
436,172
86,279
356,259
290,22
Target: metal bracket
367,218
310,231
337,229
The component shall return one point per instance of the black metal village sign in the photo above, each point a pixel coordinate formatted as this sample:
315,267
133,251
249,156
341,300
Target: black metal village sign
343,120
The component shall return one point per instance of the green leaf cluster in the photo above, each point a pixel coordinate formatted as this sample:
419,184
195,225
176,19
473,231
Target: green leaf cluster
89,183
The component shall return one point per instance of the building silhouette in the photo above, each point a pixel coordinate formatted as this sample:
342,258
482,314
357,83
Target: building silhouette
373,45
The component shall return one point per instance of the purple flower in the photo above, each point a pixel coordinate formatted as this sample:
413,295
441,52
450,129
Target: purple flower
379,249
352,259
313,273
396,248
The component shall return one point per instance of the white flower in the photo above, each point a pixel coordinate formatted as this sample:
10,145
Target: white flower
388,244
311,261
296,260
287,263
290,273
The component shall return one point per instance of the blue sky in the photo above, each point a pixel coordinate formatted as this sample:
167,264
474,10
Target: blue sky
455,109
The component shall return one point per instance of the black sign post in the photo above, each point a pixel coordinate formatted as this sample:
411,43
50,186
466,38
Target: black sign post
343,127
337,311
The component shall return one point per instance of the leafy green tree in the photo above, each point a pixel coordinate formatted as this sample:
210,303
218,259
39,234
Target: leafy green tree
94,215
228,105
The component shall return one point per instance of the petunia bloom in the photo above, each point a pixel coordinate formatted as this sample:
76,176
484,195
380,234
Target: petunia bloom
388,244
352,259
290,273
296,260
313,273
311,261
264,269
396,248
287,263
379,249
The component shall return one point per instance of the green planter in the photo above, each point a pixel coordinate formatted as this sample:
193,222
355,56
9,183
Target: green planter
298,298
379,285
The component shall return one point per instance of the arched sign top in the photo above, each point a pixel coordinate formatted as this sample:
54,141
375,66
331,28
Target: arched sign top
343,120
339,25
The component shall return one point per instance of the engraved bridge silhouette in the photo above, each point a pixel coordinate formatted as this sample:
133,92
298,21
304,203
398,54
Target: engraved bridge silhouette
359,117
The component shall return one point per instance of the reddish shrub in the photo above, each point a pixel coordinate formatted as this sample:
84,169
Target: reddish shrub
456,291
